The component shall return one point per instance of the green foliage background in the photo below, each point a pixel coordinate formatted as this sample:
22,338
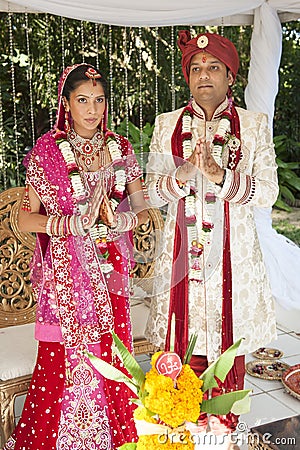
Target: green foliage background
36,47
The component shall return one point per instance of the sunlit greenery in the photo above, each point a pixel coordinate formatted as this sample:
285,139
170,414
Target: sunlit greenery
43,44
289,230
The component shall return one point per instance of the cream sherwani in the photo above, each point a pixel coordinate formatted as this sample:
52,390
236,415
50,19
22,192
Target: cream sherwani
253,183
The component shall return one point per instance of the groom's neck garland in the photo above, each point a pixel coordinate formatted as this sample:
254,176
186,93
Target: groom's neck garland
221,138
187,240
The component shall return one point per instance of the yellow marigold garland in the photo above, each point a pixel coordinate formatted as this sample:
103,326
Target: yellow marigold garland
170,395
171,403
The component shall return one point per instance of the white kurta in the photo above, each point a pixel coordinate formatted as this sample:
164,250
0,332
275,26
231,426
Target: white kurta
253,183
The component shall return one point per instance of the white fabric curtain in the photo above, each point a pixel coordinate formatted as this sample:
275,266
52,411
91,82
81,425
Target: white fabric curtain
263,78
151,13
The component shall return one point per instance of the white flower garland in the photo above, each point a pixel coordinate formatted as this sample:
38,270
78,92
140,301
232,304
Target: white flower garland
99,231
197,242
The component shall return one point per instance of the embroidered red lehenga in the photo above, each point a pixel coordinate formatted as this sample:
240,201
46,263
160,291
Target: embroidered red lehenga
69,404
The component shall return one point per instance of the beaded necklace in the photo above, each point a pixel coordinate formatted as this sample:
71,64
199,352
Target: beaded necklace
197,241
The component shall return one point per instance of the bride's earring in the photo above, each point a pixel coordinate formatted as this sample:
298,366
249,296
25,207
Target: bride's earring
67,126
67,121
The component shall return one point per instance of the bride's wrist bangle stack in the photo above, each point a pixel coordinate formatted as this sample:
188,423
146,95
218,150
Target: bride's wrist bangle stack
125,221
64,226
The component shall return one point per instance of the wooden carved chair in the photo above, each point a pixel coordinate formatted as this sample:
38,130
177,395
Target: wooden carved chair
18,348
146,243
17,310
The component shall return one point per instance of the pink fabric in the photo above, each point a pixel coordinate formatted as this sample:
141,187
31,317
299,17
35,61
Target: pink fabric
79,306
48,333
80,277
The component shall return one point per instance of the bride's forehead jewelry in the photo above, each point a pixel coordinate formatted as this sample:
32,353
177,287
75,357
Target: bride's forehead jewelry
92,74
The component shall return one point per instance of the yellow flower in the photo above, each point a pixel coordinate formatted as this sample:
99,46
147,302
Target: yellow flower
155,358
174,405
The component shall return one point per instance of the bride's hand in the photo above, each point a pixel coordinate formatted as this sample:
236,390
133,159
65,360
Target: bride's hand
93,210
106,214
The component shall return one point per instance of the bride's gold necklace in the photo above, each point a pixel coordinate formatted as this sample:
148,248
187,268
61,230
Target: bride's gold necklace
88,149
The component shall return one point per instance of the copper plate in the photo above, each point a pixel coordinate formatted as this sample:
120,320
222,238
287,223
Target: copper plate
291,381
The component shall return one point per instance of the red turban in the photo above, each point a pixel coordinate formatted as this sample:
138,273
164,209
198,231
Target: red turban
215,44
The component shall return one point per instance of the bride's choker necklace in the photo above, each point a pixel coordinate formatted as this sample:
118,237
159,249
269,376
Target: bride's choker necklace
87,148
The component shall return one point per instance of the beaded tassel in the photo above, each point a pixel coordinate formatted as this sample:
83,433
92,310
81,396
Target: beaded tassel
26,201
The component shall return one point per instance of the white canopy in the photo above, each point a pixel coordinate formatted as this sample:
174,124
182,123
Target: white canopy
155,12
265,44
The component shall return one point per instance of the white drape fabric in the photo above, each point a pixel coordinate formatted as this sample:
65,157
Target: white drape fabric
266,46
281,256
150,13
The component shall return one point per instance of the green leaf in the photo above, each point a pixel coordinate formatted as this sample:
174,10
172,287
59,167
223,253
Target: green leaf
282,205
237,402
293,165
287,193
294,183
129,361
220,367
111,372
289,176
242,406
129,446
137,401
281,164
190,348
134,132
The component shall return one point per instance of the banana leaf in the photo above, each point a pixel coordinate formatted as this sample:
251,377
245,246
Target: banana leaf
112,373
237,402
129,446
129,362
220,367
190,349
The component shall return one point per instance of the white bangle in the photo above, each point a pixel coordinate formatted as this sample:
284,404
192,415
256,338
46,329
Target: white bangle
125,221
48,225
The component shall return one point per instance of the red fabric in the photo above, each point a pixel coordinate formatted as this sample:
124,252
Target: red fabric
179,290
218,46
179,286
37,425
117,395
179,280
199,363
40,419
227,319
227,326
